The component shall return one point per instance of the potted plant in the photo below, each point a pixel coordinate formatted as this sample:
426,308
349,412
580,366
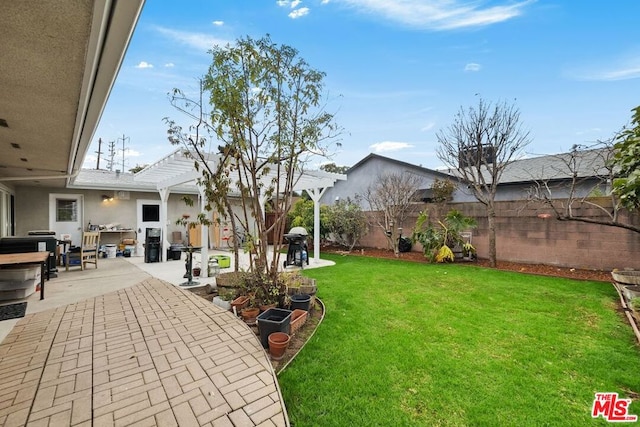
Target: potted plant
468,251
223,299
249,314
266,292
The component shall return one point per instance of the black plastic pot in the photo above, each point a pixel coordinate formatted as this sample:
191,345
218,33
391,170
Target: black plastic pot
273,320
301,301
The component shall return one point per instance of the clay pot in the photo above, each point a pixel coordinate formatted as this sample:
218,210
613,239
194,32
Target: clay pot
240,303
278,343
249,314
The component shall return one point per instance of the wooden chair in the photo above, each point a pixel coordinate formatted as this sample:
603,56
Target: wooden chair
88,253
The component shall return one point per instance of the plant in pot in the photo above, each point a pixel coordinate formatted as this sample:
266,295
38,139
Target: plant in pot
224,298
296,283
250,313
267,292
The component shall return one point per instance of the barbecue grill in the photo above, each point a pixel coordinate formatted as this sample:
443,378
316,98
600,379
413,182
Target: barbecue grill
298,252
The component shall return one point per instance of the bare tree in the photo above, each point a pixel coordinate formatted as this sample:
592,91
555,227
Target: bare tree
479,145
589,172
391,198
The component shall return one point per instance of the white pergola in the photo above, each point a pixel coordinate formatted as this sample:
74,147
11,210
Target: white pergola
176,170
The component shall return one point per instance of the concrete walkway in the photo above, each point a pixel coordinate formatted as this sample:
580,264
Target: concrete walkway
118,346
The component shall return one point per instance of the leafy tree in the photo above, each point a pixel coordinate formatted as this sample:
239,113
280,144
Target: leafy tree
592,171
267,111
137,168
331,167
301,215
391,198
346,222
479,145
626,185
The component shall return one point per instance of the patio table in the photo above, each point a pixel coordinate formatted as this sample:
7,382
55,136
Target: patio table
26,258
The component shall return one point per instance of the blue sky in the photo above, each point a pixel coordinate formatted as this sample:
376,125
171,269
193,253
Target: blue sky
396,71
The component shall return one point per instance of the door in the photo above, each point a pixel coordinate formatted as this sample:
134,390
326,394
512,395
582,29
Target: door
66,215
148,217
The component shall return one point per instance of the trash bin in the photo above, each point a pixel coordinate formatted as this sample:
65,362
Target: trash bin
175,252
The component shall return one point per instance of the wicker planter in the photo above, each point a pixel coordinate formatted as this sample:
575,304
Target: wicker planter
231,279
628,277
298,318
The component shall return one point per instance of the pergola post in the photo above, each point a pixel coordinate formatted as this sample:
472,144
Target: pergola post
164,199
316,194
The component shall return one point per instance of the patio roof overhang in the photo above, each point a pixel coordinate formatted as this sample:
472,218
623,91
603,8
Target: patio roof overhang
177,170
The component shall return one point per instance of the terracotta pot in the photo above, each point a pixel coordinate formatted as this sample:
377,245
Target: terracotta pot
278,343
298,318
240,303
249,314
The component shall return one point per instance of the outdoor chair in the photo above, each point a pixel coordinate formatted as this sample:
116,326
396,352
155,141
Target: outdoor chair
86,253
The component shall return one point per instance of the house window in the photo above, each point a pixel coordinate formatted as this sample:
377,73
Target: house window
66,210
150,213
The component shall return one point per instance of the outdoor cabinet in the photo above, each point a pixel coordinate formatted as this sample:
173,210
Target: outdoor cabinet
10,245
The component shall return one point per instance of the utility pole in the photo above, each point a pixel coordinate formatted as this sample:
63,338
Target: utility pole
124,140
99,152
112,155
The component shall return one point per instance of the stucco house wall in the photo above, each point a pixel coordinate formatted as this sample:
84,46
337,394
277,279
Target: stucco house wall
32,208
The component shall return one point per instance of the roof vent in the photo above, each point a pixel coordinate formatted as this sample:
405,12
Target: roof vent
15,145
3,123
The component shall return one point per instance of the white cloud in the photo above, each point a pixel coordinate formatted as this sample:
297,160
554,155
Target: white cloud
428,127
295,3
385,146
624,73
283,3
199,41
144,64
622,67
218,23
299,13
588,131
169,65
324,2
441,14
472,66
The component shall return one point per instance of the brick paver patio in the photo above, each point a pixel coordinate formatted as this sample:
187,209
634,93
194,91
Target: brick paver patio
151,354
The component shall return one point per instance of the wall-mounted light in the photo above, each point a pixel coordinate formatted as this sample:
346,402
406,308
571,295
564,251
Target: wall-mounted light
106,198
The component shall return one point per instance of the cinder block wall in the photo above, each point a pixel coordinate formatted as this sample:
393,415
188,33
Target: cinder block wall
523,236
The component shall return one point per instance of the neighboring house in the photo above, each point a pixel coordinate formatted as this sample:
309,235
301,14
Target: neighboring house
364,173
554,172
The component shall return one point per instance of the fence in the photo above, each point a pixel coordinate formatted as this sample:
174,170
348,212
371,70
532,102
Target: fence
525,234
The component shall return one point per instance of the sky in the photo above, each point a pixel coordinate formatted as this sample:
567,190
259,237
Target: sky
397,72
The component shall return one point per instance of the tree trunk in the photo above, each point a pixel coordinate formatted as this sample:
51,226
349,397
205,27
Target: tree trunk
491,218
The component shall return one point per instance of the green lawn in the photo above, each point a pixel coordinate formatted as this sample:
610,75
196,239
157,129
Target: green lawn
450,345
